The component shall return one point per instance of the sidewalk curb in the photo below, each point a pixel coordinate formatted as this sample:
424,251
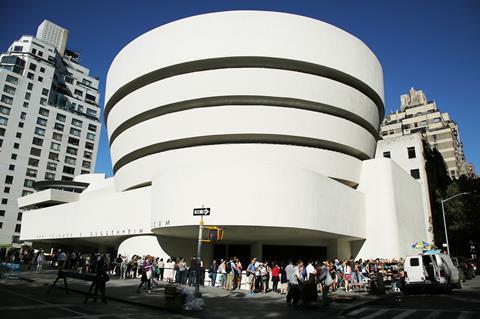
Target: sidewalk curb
361,304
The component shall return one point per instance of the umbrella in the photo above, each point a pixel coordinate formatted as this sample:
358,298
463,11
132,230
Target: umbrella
421,245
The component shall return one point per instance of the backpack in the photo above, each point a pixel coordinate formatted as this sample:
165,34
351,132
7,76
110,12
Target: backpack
228,267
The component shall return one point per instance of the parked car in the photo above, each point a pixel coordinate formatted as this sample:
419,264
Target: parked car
461,273
474,266
430,271
466,266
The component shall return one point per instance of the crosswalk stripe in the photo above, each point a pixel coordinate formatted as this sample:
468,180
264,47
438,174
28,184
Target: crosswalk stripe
357,311
404,314
376,314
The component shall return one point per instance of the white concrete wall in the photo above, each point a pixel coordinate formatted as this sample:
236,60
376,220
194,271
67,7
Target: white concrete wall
394,210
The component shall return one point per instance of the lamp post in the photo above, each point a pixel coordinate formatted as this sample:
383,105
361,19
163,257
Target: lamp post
444,221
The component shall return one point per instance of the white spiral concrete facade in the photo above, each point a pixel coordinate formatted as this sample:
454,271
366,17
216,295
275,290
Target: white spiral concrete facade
270,119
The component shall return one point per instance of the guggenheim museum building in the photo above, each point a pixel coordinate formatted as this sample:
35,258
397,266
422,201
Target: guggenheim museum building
269,119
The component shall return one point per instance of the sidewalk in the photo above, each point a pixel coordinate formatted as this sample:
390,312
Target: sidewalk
219,303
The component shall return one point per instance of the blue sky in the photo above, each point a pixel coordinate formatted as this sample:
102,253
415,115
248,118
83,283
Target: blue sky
430,45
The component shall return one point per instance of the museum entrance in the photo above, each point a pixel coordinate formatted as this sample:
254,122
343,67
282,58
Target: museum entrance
282,253
225,251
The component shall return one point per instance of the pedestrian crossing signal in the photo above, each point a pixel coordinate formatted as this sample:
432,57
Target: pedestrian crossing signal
215,234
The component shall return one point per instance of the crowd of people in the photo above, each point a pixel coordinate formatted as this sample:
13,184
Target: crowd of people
298,281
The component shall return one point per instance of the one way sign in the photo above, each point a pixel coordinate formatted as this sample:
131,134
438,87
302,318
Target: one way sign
201,211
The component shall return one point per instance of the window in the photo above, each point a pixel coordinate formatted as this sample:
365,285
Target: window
75,132
26,192
415,173
34,51
4,201
2,131
12,79
80,108
57,136
19,216
17,48
90,97
66,178
31,172
40,79
16,146
43,101
78,92
32,67
414,262
92,127
23,115
30,75
25,105
8,179
68,80
61,117
84,171
411,152
71,150
37,141
59,126
86,164
42,69
39,131
17,228
13,156
77,123
87,82
28,95
89,146
4,110
11,167
9,89
2,212
20,124
30,86
1,225
45,92
73,141
55,146
6,190
49,176
53,156
33,162
91,112
51,166
43,112
18,135
87,155
70,160
3,120
91,136
41,121
69,170
7,100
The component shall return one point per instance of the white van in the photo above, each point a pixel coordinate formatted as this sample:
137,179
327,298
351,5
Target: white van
430,271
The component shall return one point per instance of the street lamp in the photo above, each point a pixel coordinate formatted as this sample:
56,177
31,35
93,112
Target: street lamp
444,221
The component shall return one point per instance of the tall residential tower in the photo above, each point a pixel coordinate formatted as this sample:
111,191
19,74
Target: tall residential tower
49,119
419,115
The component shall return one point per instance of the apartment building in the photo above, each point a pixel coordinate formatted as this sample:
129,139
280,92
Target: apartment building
49,120
419,115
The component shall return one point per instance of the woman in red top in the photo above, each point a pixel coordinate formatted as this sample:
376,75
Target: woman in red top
275,277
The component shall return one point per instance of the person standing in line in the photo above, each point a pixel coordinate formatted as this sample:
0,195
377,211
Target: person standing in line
289,272
326,281
169,271
238,274
213,273
251,275
40,260
347,275
146,276
275,276
294,288
223,273
283,280
161,268
229,267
